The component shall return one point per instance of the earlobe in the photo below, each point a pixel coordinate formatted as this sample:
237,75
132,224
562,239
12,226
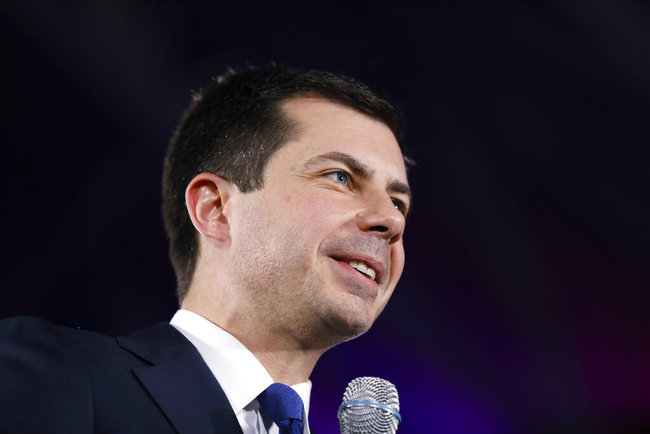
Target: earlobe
206,199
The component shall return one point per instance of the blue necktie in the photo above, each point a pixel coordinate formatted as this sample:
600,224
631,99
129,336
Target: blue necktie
283,406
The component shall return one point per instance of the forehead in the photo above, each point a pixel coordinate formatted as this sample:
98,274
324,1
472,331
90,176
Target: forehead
323,126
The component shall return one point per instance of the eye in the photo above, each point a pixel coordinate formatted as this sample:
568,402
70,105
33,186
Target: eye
400,206
340,176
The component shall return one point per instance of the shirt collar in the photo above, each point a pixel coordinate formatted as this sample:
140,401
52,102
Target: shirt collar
241,376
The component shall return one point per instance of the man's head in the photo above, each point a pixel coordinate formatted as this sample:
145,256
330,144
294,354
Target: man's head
233,127
315,254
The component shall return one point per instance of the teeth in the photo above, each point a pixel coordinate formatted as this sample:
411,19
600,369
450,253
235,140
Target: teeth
363,268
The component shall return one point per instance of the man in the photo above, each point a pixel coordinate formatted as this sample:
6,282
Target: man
284,197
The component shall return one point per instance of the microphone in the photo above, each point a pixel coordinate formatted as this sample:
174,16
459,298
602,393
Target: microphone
370,405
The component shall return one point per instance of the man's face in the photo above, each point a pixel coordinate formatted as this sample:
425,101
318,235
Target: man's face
333,202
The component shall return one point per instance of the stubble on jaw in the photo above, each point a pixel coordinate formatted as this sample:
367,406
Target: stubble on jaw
282,295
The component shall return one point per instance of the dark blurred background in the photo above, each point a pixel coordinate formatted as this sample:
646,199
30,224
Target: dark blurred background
524,305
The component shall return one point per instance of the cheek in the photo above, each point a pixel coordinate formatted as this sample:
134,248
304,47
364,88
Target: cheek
313,211
397,259
298,223
396,268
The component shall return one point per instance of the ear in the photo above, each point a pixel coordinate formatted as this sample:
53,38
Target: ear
206,199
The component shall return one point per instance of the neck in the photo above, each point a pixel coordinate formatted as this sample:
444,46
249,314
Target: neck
286,366
286,359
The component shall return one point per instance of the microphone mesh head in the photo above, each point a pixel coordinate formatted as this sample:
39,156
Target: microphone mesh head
357,413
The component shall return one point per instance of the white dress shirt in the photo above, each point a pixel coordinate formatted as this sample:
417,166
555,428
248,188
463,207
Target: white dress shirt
241,376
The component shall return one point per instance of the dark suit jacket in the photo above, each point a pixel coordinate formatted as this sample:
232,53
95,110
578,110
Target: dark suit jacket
60,380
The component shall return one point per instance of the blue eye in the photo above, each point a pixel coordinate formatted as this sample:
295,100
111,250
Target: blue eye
400,206
340,177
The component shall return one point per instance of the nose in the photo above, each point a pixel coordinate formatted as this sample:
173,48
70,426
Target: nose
379,215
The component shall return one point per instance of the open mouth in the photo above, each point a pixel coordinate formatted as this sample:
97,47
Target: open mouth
364,269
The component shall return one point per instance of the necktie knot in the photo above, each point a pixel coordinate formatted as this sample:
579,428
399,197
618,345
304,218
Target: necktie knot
282,405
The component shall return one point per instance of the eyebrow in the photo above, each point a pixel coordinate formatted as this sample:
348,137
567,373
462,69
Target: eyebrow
355,165
400,187
360,169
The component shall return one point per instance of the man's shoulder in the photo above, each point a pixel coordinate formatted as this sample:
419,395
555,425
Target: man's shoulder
38,334
31,327
34,338
42,363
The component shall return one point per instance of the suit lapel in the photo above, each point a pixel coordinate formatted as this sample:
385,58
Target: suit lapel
180,382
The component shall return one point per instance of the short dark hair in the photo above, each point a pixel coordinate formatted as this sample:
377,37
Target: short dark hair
233,126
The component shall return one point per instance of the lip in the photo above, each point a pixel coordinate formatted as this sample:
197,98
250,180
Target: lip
374,263
354,282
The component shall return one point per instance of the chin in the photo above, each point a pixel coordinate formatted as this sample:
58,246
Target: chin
348,325
341,317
